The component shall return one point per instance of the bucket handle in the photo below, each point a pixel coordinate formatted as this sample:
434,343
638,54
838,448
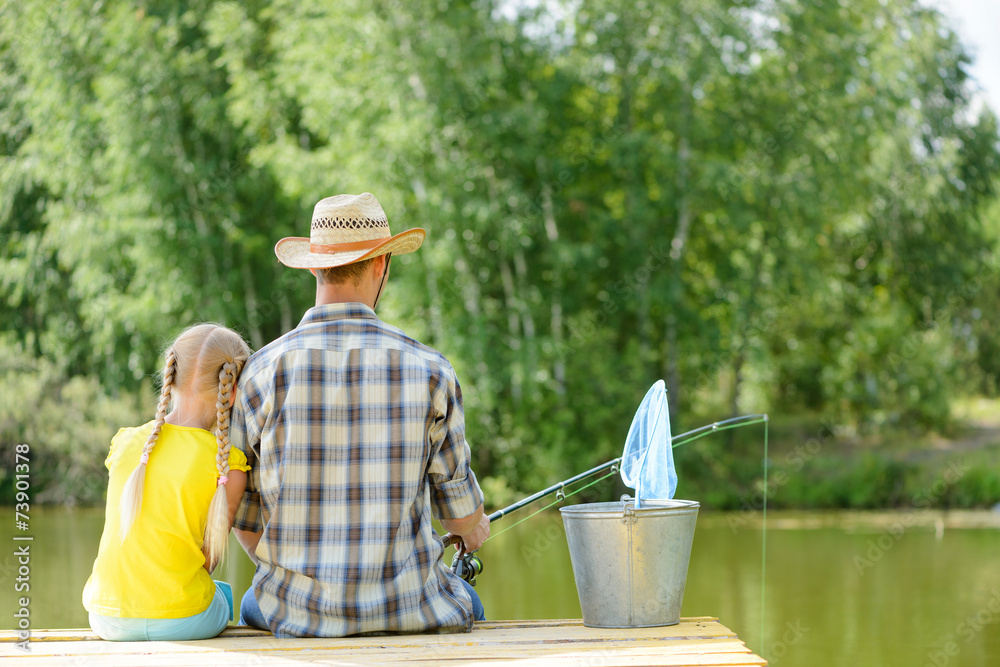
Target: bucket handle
628,513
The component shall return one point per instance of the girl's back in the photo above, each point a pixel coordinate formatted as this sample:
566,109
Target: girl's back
171,500
158,571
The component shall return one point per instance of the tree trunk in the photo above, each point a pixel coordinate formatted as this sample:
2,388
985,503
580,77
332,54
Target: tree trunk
734,402
513,326
678,243
253,314
528,322
433,302
677,246
555,318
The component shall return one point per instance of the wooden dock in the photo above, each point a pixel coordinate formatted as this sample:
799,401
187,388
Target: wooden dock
559,643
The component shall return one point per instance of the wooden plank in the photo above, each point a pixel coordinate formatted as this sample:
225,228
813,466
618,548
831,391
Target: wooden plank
244,659
485,643
695,641
590,659
524,631
159,660
508,650
483,633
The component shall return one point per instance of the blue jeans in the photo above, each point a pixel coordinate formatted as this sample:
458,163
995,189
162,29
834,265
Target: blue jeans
478,612
250,611
205,625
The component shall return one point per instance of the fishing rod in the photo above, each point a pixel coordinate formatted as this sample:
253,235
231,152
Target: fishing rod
468,566
555,488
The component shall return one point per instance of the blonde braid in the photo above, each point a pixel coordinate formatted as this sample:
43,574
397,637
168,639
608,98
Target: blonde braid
217,528
131,500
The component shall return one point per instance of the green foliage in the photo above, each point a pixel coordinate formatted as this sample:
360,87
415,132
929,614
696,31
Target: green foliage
770,205
980,487
851,481
67,422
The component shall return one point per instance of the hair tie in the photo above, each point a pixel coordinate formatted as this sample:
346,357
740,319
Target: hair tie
222,480
144,459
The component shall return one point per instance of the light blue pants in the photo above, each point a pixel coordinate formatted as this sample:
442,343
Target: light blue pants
205,625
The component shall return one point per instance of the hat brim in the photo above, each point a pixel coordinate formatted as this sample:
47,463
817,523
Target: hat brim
295,252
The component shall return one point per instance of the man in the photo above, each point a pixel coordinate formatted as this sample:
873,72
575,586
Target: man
355,434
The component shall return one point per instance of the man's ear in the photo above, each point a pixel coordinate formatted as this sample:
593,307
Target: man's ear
378,267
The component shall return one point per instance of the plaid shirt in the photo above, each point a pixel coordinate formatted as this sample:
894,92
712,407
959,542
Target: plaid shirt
355,434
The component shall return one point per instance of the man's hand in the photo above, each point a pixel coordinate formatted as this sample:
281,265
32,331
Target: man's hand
472,530
472,541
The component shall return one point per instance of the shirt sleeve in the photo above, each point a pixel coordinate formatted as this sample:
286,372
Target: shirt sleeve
237,459
111,450
455,493
244,436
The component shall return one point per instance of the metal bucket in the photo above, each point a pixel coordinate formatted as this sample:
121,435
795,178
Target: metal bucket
630,565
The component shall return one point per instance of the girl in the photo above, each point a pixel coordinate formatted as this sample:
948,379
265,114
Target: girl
172,494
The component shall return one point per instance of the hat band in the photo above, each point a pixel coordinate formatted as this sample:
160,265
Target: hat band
333,248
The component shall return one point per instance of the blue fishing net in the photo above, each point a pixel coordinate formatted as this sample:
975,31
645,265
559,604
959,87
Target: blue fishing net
648,458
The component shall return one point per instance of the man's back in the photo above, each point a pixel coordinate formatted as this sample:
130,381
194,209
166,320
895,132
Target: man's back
355,434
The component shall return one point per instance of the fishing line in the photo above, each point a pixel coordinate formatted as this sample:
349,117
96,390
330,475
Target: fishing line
763,530
763,541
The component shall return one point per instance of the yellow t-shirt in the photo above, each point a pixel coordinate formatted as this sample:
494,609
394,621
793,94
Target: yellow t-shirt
158,572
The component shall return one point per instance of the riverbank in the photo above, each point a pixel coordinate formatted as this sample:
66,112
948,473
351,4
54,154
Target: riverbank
812,464
924,479
805,477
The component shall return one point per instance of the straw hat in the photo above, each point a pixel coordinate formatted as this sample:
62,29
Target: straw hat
346,229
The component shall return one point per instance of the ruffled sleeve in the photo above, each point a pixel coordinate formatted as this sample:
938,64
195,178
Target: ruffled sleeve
237,460
111,450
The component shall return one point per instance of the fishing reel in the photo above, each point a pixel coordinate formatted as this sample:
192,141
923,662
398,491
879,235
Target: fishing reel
467,566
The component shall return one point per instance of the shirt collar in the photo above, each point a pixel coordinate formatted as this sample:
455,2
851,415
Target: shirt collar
338,311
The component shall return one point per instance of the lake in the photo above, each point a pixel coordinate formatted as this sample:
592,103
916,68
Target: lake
888,589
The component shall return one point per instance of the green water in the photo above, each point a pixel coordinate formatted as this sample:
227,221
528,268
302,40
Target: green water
841,589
